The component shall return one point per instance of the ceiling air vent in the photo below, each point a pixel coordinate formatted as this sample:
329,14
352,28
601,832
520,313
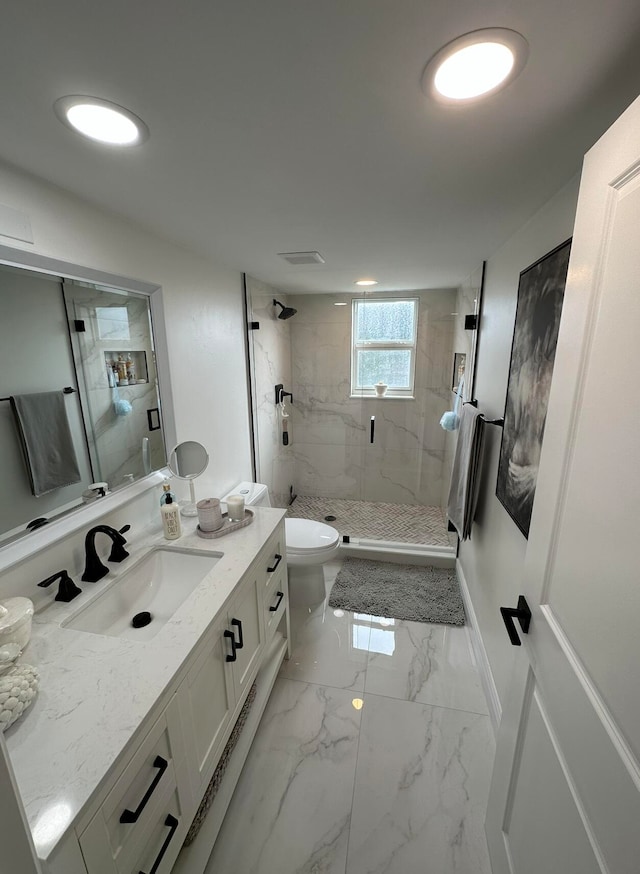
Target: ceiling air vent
298,259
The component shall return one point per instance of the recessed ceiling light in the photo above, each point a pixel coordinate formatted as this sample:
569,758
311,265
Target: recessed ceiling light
340,304
475,65
366,282
101,120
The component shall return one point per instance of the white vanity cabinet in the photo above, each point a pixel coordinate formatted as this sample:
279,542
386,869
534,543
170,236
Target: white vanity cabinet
222,673
141,814
143,820
276,594
246,626
207,702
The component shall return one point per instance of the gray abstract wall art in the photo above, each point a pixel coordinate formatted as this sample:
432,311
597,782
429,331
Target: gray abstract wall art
535,337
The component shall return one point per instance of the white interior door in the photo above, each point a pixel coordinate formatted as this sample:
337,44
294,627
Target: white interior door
565,797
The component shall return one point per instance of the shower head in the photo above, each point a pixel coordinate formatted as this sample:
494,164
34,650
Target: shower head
286,312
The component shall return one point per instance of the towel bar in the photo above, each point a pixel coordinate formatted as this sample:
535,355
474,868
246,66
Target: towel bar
67,390
498,422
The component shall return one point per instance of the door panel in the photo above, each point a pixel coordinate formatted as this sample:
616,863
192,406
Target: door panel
602,479
575,694
538,840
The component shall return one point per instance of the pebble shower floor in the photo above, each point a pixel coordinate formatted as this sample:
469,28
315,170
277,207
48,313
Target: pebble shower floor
375,520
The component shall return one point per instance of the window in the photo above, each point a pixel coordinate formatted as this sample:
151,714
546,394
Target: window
383,348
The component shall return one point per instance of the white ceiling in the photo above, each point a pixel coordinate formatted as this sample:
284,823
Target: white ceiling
282,125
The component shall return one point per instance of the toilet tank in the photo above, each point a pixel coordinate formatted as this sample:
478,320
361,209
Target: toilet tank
254,494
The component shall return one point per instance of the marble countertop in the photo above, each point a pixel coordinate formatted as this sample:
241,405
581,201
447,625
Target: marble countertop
95,690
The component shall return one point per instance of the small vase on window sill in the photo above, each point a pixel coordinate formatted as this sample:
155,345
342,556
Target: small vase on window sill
381,389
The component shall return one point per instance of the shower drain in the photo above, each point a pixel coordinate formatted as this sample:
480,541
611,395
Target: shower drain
329,518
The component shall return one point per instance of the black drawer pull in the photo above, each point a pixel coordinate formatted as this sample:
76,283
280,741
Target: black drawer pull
522,613
278,602
172,823
372,435
278,558
240,641
133,816
233,656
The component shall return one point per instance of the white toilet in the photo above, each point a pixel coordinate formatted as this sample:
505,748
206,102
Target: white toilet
309,545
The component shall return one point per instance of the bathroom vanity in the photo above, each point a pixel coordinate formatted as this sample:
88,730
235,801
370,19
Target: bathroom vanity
114,757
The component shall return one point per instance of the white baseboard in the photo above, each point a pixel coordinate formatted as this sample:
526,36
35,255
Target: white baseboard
480,653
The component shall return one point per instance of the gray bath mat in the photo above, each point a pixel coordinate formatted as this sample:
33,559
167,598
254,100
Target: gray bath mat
398,591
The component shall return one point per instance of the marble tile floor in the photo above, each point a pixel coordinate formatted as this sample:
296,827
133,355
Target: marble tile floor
373,756
376,520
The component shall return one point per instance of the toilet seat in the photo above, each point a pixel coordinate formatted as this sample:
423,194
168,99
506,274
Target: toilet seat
305,537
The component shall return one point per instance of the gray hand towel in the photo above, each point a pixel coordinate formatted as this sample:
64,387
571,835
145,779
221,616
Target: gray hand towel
465,477
45,436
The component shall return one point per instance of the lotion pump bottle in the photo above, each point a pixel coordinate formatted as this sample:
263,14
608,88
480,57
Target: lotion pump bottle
170,513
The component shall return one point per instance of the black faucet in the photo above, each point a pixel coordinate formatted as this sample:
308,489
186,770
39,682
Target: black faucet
67,590
94,570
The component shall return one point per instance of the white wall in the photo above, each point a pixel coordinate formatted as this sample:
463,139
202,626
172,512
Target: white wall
493,559
203,310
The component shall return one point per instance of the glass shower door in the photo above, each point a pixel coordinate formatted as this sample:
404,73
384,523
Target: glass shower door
329,432
403,481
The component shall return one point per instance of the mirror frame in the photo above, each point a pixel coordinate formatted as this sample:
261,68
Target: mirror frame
17,549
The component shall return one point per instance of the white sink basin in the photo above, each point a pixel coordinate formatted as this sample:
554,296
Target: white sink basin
158,584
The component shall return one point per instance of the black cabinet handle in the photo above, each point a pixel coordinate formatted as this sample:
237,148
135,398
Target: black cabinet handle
373,429
240,641
172,823
233,656
522,614
133,815
278,558
278,602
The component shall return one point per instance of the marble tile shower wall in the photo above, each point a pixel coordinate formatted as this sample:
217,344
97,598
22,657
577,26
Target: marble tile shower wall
271,365
330,430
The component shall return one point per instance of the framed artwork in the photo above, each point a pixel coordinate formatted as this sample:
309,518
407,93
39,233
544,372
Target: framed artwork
459,364
535,337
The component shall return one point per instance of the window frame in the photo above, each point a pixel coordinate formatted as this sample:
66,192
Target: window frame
356,346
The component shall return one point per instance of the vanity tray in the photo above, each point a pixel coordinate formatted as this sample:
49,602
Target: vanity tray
227,526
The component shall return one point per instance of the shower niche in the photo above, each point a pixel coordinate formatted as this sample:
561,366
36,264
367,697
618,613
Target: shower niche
126,367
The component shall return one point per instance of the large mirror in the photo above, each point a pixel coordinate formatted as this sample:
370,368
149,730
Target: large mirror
79,398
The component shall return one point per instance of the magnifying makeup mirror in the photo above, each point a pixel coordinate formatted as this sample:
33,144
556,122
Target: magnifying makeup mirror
186,461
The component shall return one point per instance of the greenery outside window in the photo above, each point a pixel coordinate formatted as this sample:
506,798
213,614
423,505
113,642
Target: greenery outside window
383,348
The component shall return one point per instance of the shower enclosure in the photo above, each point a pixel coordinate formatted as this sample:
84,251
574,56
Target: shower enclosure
371,461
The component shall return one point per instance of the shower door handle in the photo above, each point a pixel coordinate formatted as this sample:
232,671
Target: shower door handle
373,429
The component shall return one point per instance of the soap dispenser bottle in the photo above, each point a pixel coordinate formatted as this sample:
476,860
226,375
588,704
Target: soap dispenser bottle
170,513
